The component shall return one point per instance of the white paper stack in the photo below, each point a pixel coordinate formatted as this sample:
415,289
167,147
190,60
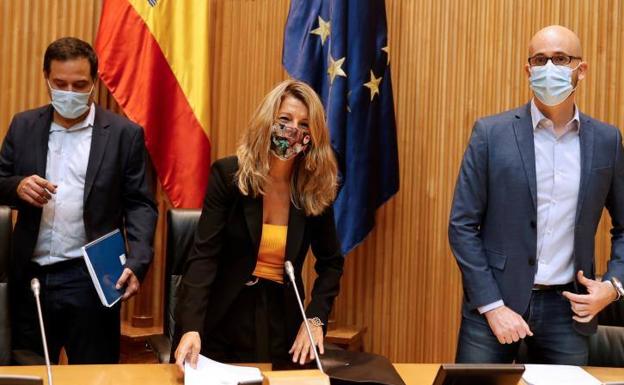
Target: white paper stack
210,372
557,375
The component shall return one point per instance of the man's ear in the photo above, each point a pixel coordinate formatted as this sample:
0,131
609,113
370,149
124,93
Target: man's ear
582,70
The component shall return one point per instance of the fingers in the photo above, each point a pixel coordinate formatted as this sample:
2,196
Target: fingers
131,282
180,356
581,310
124,277
35,190
301,349
194,358
44,184
131,290
584,280
303,358
526,329
319,343
580,298
507,326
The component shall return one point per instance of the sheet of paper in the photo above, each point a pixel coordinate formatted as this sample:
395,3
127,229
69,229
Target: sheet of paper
210,372
557,375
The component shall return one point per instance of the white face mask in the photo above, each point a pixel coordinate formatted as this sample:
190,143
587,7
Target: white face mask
70,104
552,84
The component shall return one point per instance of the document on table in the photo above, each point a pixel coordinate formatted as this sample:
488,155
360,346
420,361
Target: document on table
210,372
557,375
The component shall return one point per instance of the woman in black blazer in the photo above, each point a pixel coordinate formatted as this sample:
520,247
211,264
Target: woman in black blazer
266,205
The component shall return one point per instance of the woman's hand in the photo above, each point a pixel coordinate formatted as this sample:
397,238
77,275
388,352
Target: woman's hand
188,350
301,349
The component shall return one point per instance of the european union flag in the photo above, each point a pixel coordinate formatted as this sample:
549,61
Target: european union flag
340,48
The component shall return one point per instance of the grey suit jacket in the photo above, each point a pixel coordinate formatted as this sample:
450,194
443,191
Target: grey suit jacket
492,227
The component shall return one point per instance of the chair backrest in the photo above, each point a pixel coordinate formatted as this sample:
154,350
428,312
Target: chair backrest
181,226
6,229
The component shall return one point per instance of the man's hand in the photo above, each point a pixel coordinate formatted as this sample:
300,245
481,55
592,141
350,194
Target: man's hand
131,282
586,306
35,190
507,325
301,349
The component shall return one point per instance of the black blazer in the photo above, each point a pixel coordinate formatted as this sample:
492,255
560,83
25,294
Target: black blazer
116,193
226,248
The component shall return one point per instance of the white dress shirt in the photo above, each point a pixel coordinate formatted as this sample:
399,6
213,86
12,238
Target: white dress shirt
558,175
62,231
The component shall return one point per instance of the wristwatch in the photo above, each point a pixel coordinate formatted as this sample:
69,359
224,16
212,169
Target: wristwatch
316,321
618,287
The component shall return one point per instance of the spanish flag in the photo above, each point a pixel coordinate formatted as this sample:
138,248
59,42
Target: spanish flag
154,60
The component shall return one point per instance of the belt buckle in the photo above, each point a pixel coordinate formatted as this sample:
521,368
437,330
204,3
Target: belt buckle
252,282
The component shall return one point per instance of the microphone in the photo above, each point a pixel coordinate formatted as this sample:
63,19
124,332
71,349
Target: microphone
36,288
290,271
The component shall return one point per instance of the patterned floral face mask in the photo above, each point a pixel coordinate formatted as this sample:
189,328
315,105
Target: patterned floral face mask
287,142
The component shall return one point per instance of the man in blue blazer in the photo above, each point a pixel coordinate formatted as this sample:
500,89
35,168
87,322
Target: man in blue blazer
529,196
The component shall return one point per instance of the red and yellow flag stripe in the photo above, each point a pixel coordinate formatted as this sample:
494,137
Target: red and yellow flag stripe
154,58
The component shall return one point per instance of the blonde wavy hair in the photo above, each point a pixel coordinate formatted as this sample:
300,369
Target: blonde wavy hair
315,175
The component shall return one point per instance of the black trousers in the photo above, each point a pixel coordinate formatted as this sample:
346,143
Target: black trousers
254,329
73,316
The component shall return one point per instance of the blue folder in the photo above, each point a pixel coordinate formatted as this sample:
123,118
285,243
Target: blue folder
105,259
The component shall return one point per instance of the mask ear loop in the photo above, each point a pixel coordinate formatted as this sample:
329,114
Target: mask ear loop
571,71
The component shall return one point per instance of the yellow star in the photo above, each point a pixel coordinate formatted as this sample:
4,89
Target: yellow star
373,84
323,30
335,69
386,49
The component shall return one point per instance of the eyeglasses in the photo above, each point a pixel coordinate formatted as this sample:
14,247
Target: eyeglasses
558,60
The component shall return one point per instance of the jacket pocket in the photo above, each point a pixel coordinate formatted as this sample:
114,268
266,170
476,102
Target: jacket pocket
496,260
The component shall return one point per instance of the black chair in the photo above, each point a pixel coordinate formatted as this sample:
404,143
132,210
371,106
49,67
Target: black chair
181,225
606,347
7,355
5,252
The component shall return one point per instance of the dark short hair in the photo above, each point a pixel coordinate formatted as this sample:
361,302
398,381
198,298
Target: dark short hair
69,48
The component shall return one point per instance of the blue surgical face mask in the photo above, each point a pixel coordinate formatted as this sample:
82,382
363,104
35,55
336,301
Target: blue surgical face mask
70,104
552,84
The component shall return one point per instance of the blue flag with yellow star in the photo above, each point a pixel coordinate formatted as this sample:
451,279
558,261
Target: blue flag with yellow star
340,48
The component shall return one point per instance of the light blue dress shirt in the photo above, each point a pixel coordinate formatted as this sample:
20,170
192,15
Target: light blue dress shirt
62,231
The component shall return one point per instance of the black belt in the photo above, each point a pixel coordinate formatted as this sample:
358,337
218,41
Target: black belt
540,287
54,267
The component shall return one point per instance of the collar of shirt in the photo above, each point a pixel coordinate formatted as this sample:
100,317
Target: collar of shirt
538,119
87,122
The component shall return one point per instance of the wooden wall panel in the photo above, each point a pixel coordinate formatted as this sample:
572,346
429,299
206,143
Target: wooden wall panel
452,61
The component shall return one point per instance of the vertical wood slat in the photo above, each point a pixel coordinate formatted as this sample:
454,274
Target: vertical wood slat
452,61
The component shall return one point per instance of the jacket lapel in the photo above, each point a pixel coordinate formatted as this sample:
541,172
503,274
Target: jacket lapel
586,138
296,228
252,208
42,133
523,129
99,139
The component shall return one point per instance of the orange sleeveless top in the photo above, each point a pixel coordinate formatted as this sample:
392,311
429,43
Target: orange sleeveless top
270,264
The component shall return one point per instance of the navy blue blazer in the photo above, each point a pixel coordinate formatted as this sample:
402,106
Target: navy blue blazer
492,227
116,193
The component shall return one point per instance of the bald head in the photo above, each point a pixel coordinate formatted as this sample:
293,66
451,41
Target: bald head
555,39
